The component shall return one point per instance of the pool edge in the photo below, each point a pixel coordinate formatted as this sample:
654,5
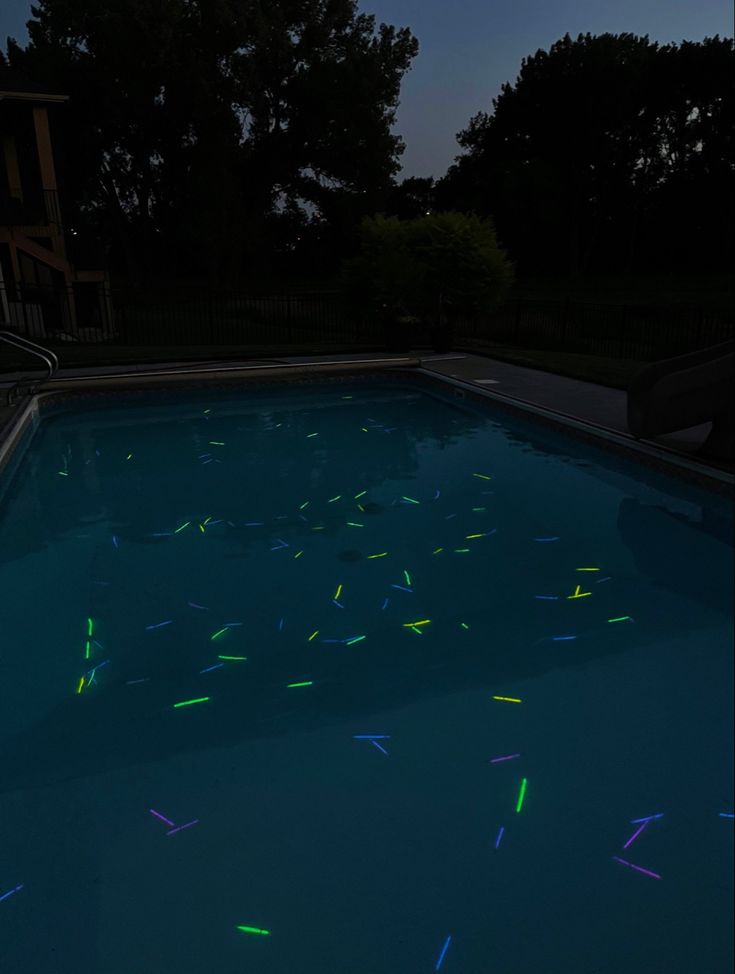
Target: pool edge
646,453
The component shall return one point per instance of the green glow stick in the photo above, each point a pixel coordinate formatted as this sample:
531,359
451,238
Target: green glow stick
298,554
464,625
333,499
354,524
482,476
309,435
305,504
410,500
436,551
129,456
187,703
306,683
90,627
216,443
522,794
218,633
232,657
382,554
263,933
63,473
186,525
361,494
315,633
87,650
461,550
619,619
407,577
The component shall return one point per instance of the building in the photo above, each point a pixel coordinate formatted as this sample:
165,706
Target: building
42,292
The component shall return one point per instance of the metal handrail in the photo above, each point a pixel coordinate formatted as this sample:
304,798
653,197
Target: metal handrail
26,345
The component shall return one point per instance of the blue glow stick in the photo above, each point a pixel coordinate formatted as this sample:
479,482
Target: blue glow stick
436,495
254,524
385,604
557,639
648,818
726,815
10,892
195,606
546,539
402,588
338,604
114,541
215,667
280,625
500,836
158,625
445,948
370,737
449,517
548,597
379,747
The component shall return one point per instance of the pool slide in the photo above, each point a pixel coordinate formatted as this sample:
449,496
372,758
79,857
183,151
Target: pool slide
685,391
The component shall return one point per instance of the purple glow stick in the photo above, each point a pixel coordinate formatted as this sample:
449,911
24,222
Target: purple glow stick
507,757
554,597
500,836
636,821
209,668
194,605
131,682
606,579
162,817
635,835
370,737
640,869
179,829
158,625
379,747
546,539
10,892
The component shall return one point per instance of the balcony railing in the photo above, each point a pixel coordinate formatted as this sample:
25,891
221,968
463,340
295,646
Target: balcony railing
36,212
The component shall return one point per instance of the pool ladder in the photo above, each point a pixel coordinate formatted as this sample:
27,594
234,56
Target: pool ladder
26,386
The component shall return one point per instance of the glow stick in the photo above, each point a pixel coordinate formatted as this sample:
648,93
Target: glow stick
162,817
640,869
188,703
447,942
522,794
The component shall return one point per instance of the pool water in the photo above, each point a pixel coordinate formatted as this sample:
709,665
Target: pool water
352,794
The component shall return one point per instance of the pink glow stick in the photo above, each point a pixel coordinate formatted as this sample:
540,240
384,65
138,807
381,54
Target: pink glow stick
507,757
162,817
171,832
640,869
635,835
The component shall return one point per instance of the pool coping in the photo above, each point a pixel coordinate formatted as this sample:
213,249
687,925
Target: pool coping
648,453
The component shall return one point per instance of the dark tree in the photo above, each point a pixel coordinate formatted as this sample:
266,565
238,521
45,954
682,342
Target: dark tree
583,156
204,134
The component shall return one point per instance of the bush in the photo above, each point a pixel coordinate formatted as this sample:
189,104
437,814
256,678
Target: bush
432,268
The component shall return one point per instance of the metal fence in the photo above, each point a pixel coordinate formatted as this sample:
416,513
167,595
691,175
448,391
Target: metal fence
177,317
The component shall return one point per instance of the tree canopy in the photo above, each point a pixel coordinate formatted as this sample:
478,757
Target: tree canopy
608,150
208,132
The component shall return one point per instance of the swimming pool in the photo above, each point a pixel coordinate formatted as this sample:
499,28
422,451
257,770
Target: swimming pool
353,677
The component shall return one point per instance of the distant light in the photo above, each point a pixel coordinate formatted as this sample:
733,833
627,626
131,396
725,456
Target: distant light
428,213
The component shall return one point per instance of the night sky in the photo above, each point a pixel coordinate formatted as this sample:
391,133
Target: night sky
469,48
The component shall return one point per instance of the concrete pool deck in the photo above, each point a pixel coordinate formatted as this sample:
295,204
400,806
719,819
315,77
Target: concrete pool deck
585,401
